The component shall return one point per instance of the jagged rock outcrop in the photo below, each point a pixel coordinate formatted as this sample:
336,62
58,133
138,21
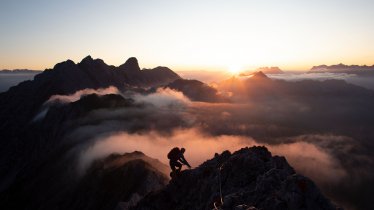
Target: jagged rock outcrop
131,65
250,178
145,77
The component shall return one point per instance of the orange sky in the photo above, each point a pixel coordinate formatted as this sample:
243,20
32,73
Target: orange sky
188,35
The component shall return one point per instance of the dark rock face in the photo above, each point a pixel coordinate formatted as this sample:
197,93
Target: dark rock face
158,73
131,65
142,78
250,178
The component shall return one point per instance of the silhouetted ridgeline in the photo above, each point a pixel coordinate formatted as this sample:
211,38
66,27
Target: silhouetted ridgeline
22,102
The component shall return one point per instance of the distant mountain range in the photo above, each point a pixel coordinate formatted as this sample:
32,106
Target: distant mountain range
341,68
19,71
258,86
9,78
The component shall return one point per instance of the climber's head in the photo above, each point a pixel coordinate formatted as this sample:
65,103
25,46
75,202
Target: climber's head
183,150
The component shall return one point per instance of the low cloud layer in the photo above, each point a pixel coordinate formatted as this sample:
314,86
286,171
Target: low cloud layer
305,157
65,99
163,98
77,95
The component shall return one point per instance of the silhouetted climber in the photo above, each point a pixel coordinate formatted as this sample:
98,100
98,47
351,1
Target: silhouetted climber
177,160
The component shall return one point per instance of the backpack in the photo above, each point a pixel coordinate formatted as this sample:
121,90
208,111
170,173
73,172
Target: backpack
174,154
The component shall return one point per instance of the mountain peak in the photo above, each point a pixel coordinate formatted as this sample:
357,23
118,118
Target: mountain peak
270,70
131,65
87,59
65,64
259,75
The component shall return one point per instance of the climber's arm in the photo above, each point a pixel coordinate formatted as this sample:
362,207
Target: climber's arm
184,161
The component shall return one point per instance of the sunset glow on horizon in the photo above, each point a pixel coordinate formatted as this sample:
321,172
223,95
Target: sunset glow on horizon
188,35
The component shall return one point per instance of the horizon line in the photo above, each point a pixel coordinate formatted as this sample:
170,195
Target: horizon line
207,67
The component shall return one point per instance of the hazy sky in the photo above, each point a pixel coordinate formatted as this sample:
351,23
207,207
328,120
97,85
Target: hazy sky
187,35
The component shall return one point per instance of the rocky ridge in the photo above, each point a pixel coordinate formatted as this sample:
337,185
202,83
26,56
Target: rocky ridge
250,178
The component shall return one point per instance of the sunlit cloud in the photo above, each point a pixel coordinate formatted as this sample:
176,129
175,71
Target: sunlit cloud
78,94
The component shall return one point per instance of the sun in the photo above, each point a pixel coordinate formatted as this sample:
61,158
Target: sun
234,69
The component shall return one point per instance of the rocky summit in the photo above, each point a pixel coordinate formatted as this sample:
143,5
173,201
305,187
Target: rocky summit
250,178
